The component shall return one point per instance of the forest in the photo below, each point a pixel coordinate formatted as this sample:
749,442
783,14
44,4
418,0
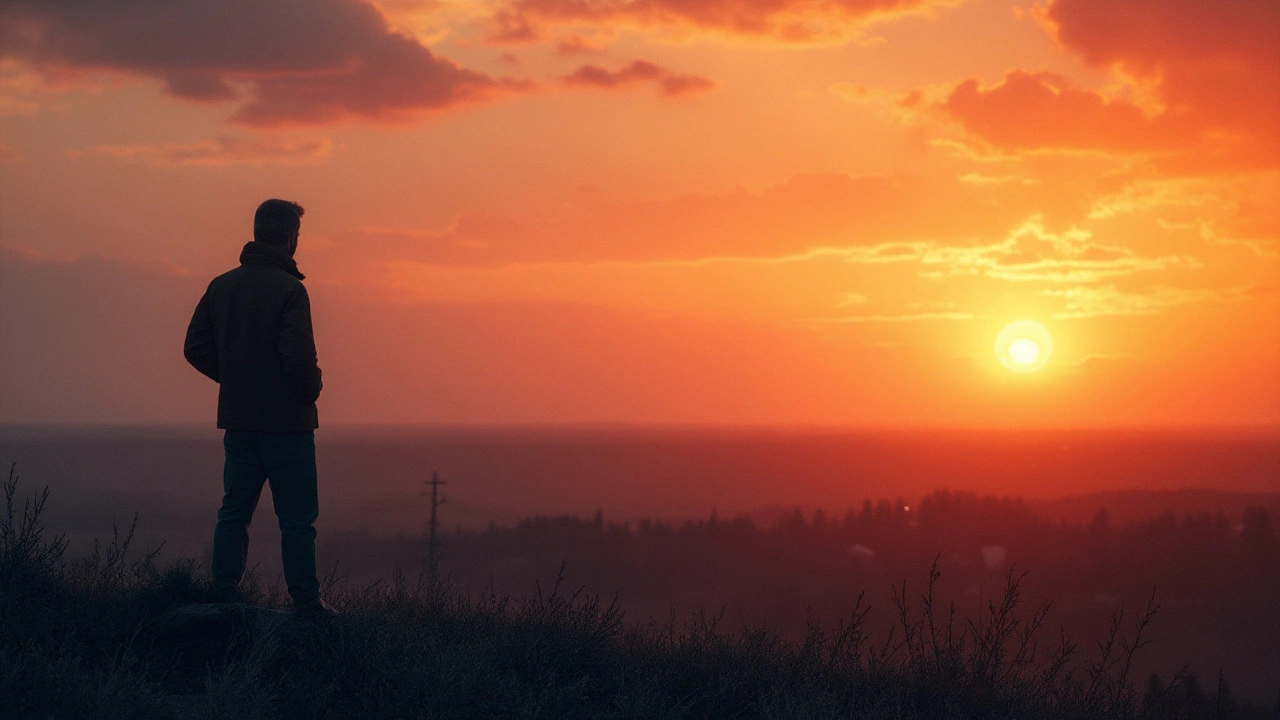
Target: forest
1212,575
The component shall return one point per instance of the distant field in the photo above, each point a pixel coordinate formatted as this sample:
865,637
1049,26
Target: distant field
373,477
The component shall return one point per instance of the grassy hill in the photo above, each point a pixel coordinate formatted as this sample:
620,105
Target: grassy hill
96,637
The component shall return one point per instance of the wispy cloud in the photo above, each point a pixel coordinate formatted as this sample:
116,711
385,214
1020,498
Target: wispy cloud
1093,301
21,89
852,299
1029,253
574,44
222,151
786,22
906,317
1262,247
981,180
670,84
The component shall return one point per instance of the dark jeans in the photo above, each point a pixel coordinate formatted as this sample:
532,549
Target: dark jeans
288,461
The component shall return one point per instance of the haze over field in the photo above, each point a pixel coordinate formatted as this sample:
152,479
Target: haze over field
373,481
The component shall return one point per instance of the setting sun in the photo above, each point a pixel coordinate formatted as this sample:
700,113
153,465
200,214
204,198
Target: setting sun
1024,346
1024,351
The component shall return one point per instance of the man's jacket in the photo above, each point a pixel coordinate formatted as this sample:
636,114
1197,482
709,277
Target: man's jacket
251,333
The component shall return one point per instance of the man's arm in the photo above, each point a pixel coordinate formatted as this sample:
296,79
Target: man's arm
200,349
298,345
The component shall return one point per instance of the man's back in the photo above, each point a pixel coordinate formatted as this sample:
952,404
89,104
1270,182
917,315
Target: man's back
251,332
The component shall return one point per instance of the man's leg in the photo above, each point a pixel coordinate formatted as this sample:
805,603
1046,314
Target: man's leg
290,459
243,474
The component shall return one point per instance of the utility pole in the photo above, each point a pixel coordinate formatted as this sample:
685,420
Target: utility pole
433,558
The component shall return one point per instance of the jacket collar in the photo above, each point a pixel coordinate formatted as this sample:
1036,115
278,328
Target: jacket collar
256,253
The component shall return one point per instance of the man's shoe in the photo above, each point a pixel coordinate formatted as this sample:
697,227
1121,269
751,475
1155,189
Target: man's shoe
228,595
316,609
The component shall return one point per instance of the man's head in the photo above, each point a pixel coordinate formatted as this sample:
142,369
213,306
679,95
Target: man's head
276,223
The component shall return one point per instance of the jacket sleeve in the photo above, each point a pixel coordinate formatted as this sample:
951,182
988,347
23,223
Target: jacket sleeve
200,348
298,345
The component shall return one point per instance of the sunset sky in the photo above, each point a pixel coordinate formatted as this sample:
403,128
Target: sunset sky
703,211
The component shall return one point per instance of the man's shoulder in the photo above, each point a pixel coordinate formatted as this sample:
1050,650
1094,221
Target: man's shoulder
257,275
228,276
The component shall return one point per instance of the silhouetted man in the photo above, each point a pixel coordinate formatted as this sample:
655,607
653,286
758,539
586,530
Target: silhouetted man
251,333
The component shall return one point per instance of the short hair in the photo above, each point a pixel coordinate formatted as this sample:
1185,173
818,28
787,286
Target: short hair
276,221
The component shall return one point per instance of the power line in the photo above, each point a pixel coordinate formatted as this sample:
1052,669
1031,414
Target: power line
433,544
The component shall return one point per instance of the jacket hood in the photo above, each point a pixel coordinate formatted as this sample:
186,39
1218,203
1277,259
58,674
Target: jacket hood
256,253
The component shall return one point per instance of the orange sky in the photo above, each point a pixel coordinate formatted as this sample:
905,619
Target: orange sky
728,211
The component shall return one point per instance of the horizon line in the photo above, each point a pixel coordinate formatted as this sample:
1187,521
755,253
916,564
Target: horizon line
691,426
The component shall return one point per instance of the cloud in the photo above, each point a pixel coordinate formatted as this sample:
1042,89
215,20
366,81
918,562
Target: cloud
509,27
815,287
945,227
1153,35
806,211
638,71
1261,247
820,288
850,299
1044,110
980,179
1087,302
793,22
574,44
1033,253
20,89
1233,212
594,75
908,317
1207,73
818,210
681,85
219,152
288,62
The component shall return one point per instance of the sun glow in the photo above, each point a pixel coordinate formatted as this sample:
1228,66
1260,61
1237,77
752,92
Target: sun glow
1024,351
1024,346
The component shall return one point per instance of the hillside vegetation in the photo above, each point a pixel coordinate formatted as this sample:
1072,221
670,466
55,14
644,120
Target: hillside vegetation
85,638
